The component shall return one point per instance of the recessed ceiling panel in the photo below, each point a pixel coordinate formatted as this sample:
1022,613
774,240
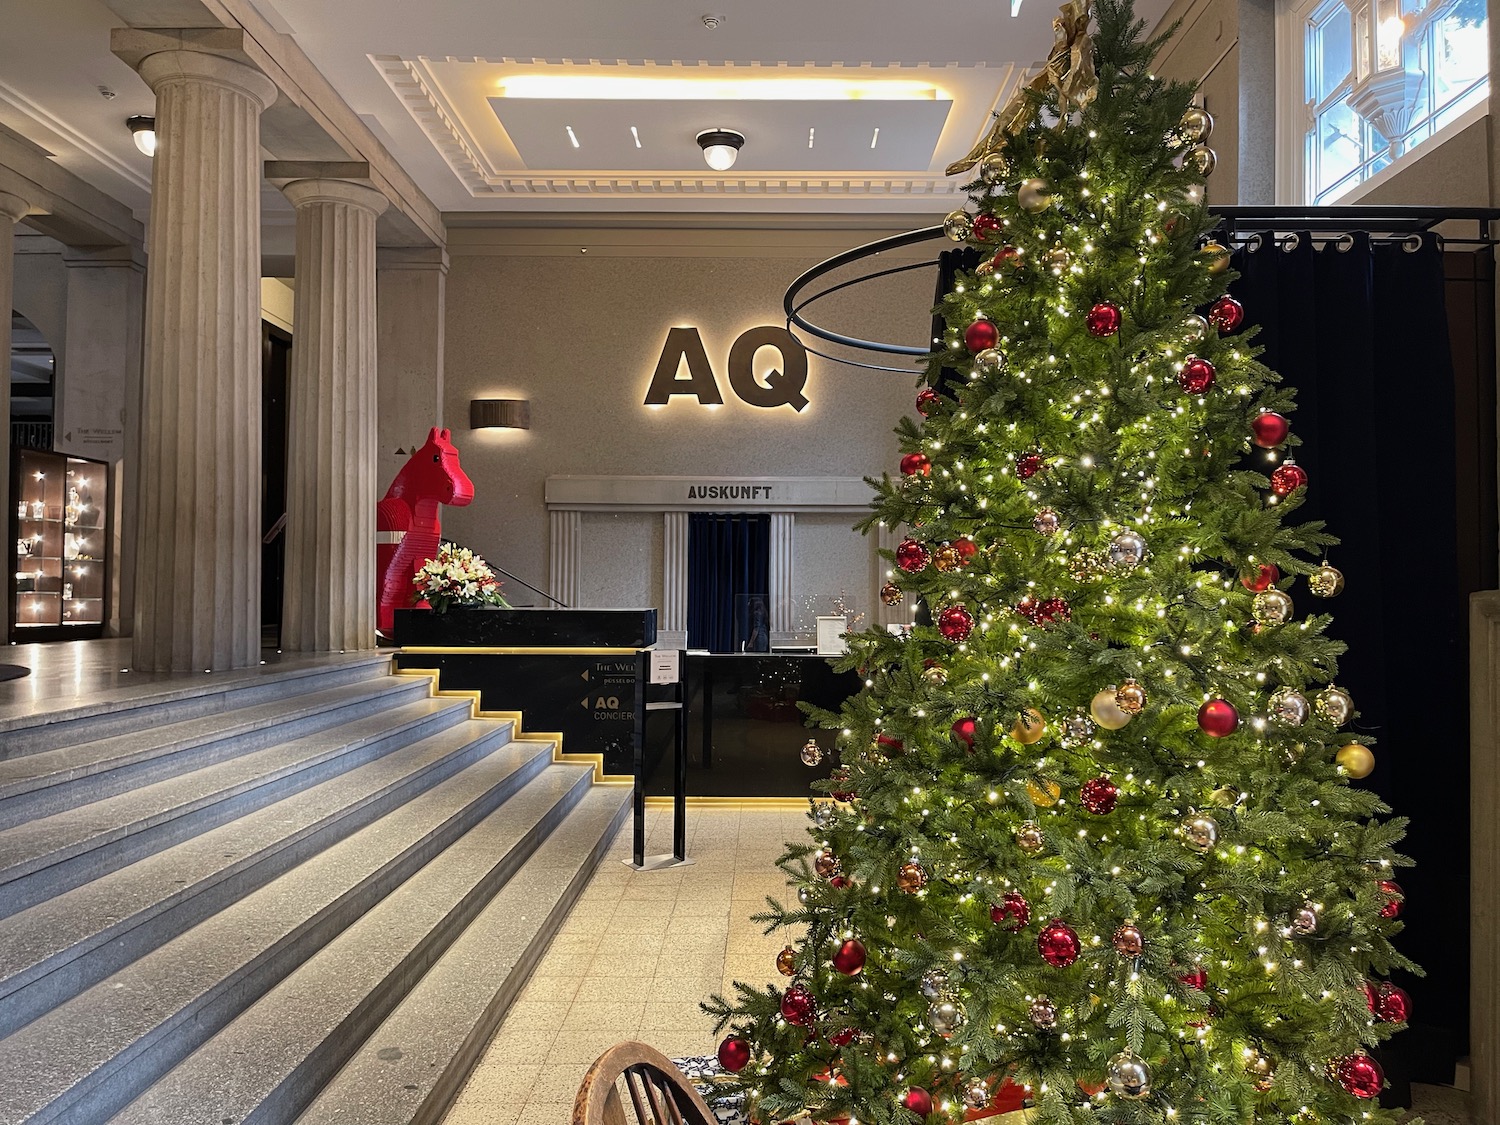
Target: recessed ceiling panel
780,136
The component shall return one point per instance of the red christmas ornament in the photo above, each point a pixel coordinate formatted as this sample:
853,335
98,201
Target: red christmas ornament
918,1100
839,882
1217,718
1099,795
843,1036
1053,609
1029,464
1195,375
1226,314
963,730
1028,607
850,958
734,1053
888,744
1196,979
980,335
966,548
1058,944
1392,1004
1395,897
914,463
1269,429
984,226
1010,1097
840,779
1265,576
927,401
1012,912
912,556
1360,1075
1288,477
1103,319
1372,996
955,623
797,1006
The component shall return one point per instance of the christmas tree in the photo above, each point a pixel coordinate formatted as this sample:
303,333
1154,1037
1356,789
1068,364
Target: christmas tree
1092,843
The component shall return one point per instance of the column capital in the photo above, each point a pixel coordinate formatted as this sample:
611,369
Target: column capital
13,207
304,193
166,68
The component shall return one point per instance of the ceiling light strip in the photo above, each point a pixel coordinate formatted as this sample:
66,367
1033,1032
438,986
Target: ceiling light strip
572,136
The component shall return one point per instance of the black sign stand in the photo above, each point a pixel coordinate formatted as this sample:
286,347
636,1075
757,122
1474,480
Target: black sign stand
640,861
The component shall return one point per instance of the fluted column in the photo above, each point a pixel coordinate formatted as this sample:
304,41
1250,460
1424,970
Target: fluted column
12,208
329,602
780,570
198,555
674,579
566,527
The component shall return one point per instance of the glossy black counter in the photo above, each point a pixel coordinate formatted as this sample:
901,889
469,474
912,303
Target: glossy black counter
527,628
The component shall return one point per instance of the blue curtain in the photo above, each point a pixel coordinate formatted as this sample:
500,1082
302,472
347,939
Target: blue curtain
729,562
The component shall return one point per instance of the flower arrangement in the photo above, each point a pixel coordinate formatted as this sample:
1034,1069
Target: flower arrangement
457,577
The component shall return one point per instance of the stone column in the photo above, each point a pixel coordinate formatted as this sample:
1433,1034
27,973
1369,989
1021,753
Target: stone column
674,580
329,604
198,556
566,534
12,208
780,571
410,295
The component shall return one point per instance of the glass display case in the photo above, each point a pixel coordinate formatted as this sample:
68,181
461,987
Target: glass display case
59,522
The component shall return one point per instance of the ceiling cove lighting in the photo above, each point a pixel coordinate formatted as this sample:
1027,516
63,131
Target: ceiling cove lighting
561,86
721,147
143,132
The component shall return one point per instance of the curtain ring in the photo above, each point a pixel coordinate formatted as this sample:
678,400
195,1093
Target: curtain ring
1346,242
1412,243
1293,241
1253,243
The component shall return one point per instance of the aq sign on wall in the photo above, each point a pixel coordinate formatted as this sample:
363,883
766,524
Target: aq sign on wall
781,386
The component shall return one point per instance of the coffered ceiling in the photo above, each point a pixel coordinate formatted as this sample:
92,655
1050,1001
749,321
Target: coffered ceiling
592,105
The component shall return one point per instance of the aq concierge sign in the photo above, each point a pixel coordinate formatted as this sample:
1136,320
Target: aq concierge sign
782,385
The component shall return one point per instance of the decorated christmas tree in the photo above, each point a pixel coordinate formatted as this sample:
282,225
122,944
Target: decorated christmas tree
1091,845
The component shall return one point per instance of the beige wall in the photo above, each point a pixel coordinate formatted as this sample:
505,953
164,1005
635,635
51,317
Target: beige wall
531,315
1455,173
1206,50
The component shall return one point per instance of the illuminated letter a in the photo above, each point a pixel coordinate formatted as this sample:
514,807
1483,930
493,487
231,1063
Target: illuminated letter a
684,344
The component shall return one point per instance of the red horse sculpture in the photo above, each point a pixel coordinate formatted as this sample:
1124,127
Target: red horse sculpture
407,525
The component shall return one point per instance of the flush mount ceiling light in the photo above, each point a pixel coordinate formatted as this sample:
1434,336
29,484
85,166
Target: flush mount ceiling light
143,130
720,147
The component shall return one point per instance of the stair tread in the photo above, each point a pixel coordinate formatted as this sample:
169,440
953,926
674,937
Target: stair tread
68,763
80,919
107,1026
396,1070
151,690
245,1063
28,847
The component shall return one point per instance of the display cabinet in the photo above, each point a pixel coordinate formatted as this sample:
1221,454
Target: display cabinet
59,530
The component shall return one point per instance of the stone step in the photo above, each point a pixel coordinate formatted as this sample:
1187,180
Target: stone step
48,781
520,867
55,950
32,726
90,1056
41,859
410,1068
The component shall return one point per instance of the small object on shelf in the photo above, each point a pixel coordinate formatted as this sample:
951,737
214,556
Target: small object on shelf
38,509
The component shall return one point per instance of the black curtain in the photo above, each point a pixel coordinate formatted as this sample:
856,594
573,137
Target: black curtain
729,562
1361,331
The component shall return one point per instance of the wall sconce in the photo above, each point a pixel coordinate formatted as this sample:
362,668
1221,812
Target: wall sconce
499,413
143,131
720,147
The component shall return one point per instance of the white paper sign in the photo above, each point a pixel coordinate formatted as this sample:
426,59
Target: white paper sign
831,640
664,665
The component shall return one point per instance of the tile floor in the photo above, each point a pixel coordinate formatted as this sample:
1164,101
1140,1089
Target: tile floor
633,960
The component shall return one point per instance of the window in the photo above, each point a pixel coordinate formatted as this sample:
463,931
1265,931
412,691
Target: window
1376,79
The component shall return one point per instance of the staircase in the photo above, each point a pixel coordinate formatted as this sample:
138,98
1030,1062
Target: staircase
299,895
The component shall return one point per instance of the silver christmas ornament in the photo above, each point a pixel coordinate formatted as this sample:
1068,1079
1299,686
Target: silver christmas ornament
1200,832
804,895
1046,522
1272,607
1127,550
1305,920
1325,582
1128,1076
933,984
1058,259
824,814
1077,730
977,1094
1194,329
991,361
958,225
1334,705
945,1017
1043,1013
1288,707
812,753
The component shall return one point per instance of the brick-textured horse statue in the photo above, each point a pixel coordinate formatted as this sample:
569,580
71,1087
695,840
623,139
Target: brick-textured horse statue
407,523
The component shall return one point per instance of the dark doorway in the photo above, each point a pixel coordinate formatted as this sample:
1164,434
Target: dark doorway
275,366
729,561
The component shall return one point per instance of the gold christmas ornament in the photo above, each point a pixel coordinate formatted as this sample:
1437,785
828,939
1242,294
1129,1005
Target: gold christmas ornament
1201,159
1043,793
947,559
935,674
1200,832
1196,125
985,268
1225,797
1128,1076
1261,1070
1046,522
786,961
1128,940
945,1017
1034,196
991,361
912,877
958,225
1106,712
1058,259
1272,607
1029,727
1356,760
891,594
1326,582
1029,838
1334,705
826,864
1042,1013
1215,257
994,169
1130,697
